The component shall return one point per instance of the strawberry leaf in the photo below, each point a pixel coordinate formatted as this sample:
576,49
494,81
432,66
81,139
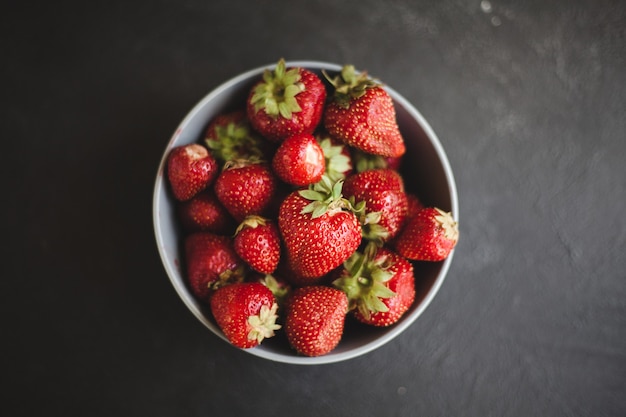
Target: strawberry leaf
271,107
291,91
312,195
319,210
382,275
337,187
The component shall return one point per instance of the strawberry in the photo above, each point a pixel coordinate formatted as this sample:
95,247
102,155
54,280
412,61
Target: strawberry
394,162
245,312
362,114
376,179
211,260
429,236
280,193
287,101
414,205
379,284
315,319
205,213
290,275
386,204
229,136
190,169
257,242
245,187
299,160
319,229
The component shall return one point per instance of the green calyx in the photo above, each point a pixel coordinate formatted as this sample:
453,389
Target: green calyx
326,197
253,221
242,162
234,141
372,230
364,281
366,161
280,290
277,93
336,162
349,85
228,277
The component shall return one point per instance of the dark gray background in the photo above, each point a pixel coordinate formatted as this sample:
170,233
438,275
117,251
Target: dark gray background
528,99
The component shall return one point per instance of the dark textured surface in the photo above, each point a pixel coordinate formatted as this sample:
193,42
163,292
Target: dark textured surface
529,101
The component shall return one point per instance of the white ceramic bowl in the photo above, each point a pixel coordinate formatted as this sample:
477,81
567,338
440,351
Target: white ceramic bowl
426,172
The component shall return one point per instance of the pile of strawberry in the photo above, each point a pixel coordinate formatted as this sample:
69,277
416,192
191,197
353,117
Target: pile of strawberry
295,214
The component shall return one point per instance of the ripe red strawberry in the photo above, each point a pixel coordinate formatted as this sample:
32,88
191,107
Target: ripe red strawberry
429,236
315,319
386,204
286,271
230,137
394,162
210,258
287,101
257,242
380,286
414,205
280,193
319,229
204,213
190,169
362,114
246,188
245,312
299,160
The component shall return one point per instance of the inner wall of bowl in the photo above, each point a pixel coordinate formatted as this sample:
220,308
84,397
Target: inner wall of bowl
431,180
226,97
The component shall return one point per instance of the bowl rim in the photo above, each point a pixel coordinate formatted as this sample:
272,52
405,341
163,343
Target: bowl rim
173,272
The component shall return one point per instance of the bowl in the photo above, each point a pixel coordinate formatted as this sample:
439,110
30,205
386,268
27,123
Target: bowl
426,172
